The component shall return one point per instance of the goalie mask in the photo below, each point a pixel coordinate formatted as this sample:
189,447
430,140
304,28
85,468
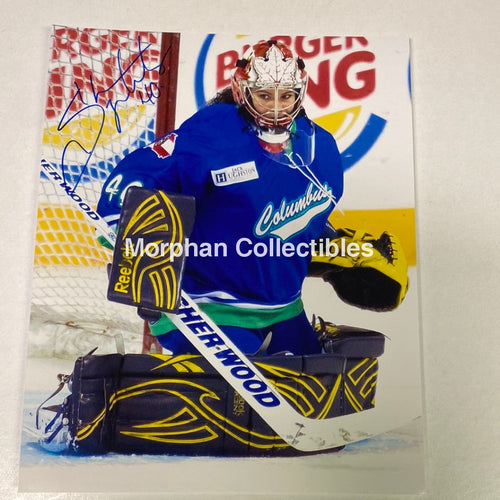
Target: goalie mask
270,84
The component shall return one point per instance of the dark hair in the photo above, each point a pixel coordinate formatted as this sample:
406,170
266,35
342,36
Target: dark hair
224,96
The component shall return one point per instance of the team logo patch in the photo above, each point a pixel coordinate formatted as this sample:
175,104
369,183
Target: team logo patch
237,173
292,217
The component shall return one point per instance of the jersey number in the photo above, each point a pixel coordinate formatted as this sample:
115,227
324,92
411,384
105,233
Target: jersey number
113,188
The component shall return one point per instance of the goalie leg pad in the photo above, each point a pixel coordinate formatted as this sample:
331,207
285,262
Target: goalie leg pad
179,405
348,341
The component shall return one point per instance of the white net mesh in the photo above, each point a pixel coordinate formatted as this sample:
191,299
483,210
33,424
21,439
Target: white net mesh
103,89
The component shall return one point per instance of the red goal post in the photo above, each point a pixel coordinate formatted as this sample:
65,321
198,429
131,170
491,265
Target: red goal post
165,122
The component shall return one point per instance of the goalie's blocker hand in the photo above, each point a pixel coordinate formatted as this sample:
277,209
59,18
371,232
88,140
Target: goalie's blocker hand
375,279
148,259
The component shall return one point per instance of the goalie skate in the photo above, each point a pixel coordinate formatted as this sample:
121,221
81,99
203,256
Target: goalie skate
51,428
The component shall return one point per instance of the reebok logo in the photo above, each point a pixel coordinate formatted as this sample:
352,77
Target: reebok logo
237,173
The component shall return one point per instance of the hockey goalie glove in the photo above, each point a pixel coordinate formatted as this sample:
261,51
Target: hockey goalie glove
148,259
366,272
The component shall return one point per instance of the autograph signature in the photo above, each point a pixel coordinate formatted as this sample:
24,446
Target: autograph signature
132,81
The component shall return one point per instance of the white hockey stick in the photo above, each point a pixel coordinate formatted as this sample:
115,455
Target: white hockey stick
304,434
93,217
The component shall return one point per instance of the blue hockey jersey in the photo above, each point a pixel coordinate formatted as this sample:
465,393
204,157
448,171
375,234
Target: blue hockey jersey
255,217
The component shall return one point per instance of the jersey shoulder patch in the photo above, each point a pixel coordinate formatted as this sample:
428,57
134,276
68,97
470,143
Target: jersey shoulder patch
165,146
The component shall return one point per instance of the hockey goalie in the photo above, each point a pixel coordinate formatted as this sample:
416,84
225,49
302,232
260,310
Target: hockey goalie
232,210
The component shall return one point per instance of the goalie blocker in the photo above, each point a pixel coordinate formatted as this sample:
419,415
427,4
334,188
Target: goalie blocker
148,260
162,404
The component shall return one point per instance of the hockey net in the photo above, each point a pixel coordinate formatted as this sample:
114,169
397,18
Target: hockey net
109,92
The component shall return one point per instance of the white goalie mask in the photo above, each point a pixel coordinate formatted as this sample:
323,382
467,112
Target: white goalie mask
270,83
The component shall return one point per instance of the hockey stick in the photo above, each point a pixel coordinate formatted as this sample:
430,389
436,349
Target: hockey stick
304,434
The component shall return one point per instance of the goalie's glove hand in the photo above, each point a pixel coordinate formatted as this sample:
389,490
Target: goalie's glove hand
366,272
